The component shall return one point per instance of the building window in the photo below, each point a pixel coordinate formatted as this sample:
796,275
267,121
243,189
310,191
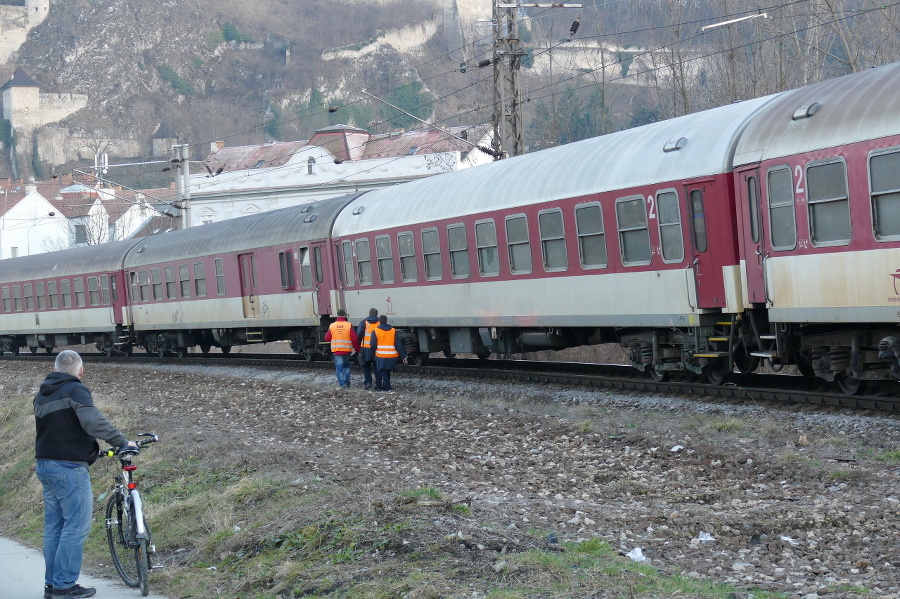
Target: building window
409,273
78,283
200,279
220,277
80,234
94,291
829,206
699,219
347,257
385,259
311,166
39,295
553,240
363,262
286,266
431,248
52,294
184,279
171,291
459,251
517,244
671,237
782,222
156,283
634,234
29,300
486,242
884,180
591,238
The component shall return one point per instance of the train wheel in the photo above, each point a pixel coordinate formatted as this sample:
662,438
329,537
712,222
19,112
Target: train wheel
717,373
181,352
744,362
226,349
49,350
448,354
484,355
204,348
804,365
418,358
33,350
658,375
850,386
126,350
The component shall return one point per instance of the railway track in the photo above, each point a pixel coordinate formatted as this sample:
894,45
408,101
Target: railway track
775,388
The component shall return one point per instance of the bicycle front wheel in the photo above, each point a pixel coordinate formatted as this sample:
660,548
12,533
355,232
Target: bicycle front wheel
120,533
142,558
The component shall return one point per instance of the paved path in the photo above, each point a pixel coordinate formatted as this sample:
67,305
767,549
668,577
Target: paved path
22,576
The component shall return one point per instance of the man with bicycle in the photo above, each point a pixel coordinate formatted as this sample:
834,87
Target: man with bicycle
68,425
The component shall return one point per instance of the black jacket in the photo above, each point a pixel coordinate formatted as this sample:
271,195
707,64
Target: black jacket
68,423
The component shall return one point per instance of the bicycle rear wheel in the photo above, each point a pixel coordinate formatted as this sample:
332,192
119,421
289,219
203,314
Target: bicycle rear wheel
120,533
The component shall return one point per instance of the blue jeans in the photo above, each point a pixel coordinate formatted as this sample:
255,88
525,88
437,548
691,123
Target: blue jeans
68,503
342,369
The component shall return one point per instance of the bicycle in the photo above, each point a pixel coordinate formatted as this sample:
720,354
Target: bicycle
130,541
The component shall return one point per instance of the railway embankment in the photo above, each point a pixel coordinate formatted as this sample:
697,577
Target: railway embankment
274,483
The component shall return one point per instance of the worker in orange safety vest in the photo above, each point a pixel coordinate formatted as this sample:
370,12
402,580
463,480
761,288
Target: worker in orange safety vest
386,349
343,342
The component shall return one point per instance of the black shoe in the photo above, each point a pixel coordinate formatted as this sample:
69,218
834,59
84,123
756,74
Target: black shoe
75,591
48,591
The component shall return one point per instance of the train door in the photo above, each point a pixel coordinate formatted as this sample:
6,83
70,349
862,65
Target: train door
249,290
323,284
752,234
707,270
113,290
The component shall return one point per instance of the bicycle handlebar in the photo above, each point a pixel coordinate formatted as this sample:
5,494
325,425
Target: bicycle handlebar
128,449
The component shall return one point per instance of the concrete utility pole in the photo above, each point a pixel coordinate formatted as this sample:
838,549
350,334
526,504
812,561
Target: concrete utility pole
509,125
181,155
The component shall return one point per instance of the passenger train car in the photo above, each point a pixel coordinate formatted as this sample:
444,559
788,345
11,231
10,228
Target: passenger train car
762,230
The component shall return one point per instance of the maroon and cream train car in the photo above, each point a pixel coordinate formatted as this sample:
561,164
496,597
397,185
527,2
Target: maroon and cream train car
817,175
630,236
253,279
69,297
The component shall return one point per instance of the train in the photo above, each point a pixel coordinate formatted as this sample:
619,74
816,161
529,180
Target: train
761,232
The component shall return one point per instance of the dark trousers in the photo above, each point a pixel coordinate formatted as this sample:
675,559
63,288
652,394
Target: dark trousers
367,374
382,380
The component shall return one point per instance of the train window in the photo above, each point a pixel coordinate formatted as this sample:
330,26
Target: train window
884,174
363,262
29,297
782,217
94,291
829,206
317,261
553,240
144,284
517,245
591,238
78,284
17,298
220,277
7,305
65,292
104,289
135,293
286,266
52,294
698,216
39,296
408,270
171,292
305,269
669,221
431,249
753,206
347,257
385,259
459,251
156,283
486,242
200,278
634,233
184,280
